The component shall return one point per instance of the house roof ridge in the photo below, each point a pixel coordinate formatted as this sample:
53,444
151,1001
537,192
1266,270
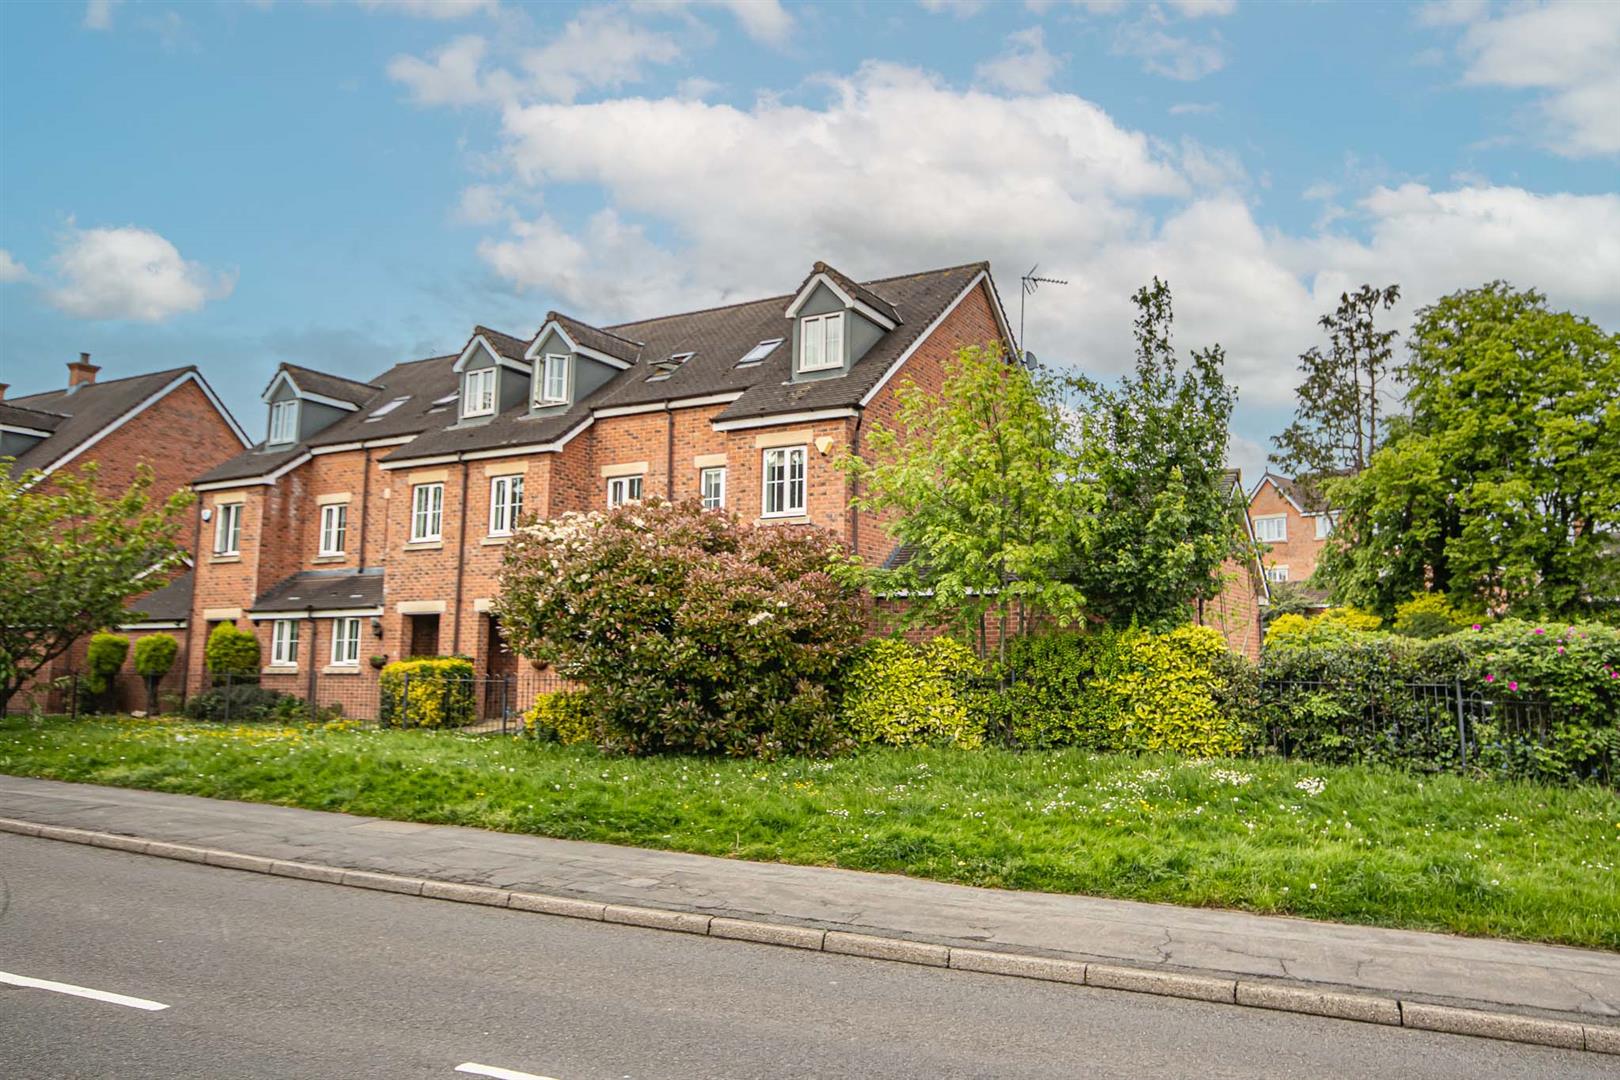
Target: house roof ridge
562,315
287,365
103,382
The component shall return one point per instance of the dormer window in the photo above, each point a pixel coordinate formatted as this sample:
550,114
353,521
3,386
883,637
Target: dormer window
478,397
821,342
284,422
553,388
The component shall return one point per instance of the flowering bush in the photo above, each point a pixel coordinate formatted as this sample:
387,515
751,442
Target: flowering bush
688,629
433,692
901,694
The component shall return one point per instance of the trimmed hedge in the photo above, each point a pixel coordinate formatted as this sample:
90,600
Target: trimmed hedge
905,695
563,716
155,655
439,692
103,660
231,651
242,702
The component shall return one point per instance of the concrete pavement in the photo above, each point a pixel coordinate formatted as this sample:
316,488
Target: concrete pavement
1418,967
270,977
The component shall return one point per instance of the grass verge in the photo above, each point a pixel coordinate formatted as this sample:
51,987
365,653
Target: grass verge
1351,844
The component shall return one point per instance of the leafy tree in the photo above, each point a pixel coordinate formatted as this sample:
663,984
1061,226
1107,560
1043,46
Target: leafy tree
231,651
1336,430
71,558
103,659
972,481
1502,490
1151,453
154,656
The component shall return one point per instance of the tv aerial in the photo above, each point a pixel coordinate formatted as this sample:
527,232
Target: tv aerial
1031,281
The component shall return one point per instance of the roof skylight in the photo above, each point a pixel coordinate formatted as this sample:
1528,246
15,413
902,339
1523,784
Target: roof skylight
663,369
759,352
388,408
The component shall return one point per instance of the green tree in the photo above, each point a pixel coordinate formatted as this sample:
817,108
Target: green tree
154,656
1502,489
1151,454
102,662
231,651
972,482
71,558
1336,429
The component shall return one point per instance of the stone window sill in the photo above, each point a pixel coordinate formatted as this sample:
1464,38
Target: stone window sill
340,557
279,669
779,519
425,545
493,541
341,669
226,558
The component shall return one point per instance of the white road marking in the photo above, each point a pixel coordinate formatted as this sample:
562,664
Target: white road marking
497,1072
81,991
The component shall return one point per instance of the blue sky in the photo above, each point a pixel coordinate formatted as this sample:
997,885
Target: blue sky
347,185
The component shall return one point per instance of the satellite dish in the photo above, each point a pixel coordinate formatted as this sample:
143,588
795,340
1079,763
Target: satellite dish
1030,359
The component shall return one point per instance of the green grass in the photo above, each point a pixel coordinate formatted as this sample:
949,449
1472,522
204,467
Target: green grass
1373,846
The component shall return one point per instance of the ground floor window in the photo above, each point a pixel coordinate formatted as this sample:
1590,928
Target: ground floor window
784,481
713,486
623,489
346,640
284,642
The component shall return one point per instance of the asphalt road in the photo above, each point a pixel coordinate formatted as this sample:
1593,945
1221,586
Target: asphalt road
268,977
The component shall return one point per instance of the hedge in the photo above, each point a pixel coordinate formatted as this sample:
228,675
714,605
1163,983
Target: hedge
231,651
103,660
563,716
905,695
432,693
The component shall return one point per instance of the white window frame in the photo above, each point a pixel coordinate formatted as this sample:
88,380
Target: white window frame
784,456
334,529
505,503
817,329
552,363
1277,575
717,472
619,490
471,405
1325,524
1280,520
346,641
284,643
427,508
283,423
228,529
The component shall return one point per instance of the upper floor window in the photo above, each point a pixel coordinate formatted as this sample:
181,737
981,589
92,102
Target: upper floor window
427,513
346,641
553,388
284,642
1276,574
784,481
1324,525
284,422
623,489
821,342
505,504
712,484
228,529
478,397
1271,530
334,528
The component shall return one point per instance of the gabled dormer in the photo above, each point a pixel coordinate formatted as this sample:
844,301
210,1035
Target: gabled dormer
572,360
834,321
303,403
493,375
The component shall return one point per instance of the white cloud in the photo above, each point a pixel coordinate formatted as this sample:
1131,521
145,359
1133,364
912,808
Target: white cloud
1569,49
431,9
130,273
763,20
1024,66
98,14
1163,53
1194,108
696,87
961,9
10,269
482,204
1198,9
598,49
1451,12
1066,186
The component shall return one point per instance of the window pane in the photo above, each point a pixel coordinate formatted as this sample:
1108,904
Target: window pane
813,343
834,355
713,487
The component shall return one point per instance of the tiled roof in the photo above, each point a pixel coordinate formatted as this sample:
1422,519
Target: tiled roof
855,289
34,419
332,386
172,603
1306,498
592,337
84,412
505,344
324,590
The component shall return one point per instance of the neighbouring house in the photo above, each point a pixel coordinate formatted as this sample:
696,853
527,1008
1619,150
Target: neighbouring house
1238,610
169,420
1293,524
368,524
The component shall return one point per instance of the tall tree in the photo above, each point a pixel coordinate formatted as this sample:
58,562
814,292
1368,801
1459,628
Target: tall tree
1336,429
972,480
1503,487
1152,453
70,560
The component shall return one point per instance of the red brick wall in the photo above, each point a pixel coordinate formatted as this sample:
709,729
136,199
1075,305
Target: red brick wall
1235,610
1301,549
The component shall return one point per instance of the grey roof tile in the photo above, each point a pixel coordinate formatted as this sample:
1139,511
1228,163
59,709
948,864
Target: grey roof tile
324,590
171,603
85,412
333,386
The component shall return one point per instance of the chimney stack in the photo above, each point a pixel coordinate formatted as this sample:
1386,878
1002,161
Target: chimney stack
4,386
82,372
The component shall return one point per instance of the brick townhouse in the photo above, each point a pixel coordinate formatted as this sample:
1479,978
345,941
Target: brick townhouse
371,519
1293,524
169,420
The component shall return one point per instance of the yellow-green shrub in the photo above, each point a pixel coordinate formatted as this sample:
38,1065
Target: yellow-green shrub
1334,624
899,694
563,716
431,693
1166,692
1429,615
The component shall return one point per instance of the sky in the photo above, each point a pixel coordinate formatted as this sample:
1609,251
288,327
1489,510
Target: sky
346,185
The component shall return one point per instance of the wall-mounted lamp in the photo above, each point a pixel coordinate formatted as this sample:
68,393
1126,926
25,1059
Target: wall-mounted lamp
208,513
376,626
